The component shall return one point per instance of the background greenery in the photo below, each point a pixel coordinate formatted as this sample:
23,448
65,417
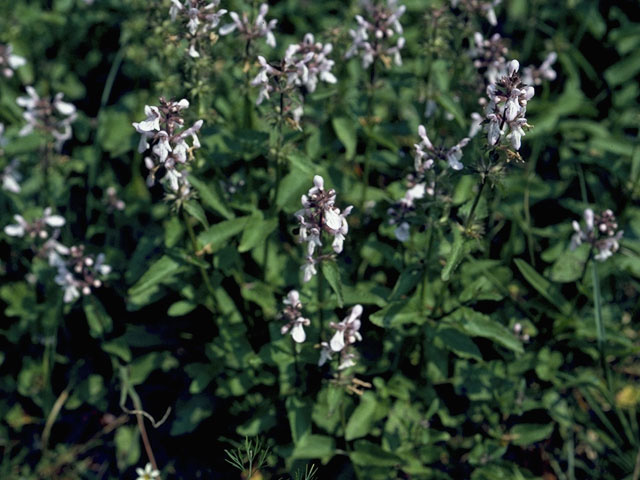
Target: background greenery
455,394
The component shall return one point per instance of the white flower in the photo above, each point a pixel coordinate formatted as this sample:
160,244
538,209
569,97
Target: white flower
601,232
261,28
10,177
309,269
17,230
402,232
148,473
9,61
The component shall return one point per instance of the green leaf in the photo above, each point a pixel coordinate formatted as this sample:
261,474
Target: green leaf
256,232
314,446
216,236
458,251
332,274
114,131
368,454
408,279
142,367
299,413
195,210
569,266
458,343
479,325
398,313
210,196
623,71
452,107
180,308
190,413
543,286
98,319
362,418
127,446
160,271
528,433
345,129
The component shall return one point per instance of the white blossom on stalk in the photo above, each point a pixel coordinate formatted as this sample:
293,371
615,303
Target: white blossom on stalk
422,181
303,66
347,332
532,75
147,473
161,133
319,214
36,228
490,56
79,273
379,35
53,117
484,7
507,107
260,28
10,177
9,61
201,16
600,231
307,62
112,201
292,313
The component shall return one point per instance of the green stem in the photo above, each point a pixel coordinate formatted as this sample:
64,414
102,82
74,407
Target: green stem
320,295
600,332
203,272
476,200
369,124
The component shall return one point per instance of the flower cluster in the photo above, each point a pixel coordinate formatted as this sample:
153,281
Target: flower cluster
303,65
260,28
374,36
162,134
147,473
307,62
43,234
490,56
484,7
36,228
112,201
9,61
347,332
601,232
319,214
53,117
80,272
202,17
292,314
507,107
423,180
77,272
535,75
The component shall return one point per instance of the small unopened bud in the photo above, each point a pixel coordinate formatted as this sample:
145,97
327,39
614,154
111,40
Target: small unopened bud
86,290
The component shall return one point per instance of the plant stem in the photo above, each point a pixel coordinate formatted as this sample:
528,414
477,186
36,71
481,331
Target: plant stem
597,301
320,295
203,272
476,200
143,431
369,123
